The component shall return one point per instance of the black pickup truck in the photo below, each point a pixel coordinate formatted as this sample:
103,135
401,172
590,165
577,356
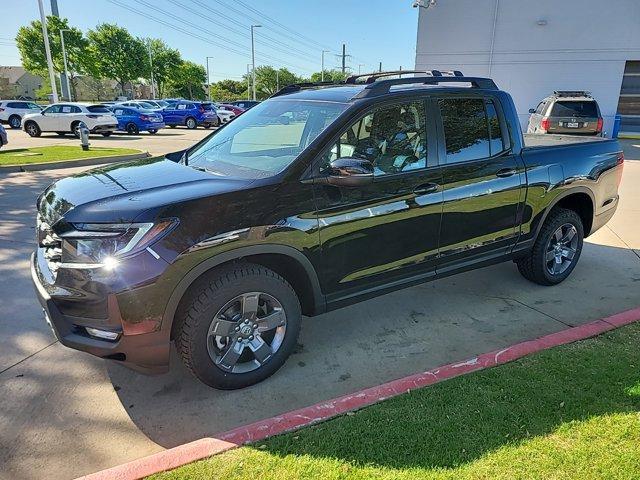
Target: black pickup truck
320,197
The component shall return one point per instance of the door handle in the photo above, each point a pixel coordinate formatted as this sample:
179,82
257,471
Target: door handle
426,188
506,172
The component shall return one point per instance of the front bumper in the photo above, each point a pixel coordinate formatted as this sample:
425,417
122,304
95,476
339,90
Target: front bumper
146,352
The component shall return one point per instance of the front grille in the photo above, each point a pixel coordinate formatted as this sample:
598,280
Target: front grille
50,243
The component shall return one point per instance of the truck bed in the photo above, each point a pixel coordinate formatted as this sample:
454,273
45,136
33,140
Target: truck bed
532,140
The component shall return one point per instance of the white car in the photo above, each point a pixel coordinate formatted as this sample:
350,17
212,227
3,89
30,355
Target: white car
64,118
12,111
224,115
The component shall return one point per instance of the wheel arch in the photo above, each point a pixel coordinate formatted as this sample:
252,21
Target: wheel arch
581,200
288,262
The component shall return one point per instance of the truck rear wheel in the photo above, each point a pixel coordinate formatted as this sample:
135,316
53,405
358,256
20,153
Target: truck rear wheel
556,250
239,326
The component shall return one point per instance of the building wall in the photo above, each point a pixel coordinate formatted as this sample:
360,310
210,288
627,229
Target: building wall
531,48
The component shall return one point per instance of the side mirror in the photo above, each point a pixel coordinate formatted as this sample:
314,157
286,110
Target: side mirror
350,172
532,110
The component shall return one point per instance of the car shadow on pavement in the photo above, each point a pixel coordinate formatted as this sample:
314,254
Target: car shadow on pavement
385,338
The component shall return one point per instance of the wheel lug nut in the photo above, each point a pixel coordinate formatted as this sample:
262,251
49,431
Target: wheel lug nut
237,329
250,337
255,325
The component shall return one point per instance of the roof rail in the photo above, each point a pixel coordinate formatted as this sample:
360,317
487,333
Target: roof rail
571,93
371,77
383,86
295,87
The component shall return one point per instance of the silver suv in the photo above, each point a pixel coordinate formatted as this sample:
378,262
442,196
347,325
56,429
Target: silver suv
566,112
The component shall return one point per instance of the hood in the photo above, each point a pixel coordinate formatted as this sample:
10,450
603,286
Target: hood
122,192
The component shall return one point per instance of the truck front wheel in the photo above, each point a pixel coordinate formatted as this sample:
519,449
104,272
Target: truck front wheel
238,326
556,250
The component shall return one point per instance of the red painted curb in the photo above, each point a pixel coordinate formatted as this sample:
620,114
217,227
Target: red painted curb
205,447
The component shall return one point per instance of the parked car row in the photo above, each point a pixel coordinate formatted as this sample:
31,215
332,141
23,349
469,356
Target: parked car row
133,116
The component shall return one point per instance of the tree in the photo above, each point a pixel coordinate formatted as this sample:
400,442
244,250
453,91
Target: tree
118,54
31,47
329,76
233,86
267,80
188,81
166,62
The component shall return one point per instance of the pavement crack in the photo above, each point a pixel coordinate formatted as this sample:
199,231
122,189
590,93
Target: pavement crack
637,254
28,357
543,313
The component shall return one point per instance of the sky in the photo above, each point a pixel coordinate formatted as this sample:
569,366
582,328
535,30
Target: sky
293,32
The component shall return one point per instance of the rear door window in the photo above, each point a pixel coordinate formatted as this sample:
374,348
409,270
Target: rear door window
496,137
466,129
574,108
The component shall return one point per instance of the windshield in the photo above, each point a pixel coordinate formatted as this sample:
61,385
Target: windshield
573,108
266,139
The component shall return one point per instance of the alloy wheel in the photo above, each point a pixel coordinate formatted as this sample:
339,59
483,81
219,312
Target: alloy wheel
561,249
246,332
14,122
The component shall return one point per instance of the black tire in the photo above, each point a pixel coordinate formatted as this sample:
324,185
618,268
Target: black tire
75,128
171,126
106,134
32,129
15,121
61,134
191,123
206,126
535,267
211,294
153,131
132,129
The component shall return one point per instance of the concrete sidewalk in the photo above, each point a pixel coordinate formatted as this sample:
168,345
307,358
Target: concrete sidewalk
65,413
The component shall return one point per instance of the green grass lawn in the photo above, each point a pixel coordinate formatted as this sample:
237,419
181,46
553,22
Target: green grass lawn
22,156
569,412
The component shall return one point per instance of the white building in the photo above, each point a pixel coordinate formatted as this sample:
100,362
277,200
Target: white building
533,47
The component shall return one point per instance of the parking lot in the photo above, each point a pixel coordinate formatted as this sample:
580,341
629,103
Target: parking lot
166,140
66,413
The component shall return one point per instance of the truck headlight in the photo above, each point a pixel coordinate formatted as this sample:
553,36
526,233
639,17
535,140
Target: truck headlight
93,245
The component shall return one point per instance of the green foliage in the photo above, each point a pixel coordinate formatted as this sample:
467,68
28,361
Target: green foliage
166,64
117,54
188,81
267,80
329,76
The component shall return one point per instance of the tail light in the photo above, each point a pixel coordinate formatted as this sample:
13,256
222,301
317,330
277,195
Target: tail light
144,118
544,124
1,109
599,129
93,116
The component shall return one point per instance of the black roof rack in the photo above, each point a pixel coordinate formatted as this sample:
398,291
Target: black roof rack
295,87
571,93
375,87
383,86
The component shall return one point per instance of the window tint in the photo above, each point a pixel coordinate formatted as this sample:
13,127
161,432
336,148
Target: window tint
465,129
17,105
181,106
393,139
119,112
69,109
495,132
98,109
574,109
541,107
33,106
53,109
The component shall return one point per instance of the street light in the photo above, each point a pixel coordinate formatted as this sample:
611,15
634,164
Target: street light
208,81
360,65
248,77
153,88
253,61
66,68
322,65
47,51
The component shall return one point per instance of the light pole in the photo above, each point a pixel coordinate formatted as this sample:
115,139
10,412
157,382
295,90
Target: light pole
153,88
248,86
253,62
360,65
64,59
47,51
322,65
277,80
208,81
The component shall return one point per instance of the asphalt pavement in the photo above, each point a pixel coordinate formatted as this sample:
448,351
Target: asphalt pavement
64,413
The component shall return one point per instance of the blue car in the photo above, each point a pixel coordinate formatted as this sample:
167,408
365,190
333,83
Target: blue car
191,114
136,120
3,136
